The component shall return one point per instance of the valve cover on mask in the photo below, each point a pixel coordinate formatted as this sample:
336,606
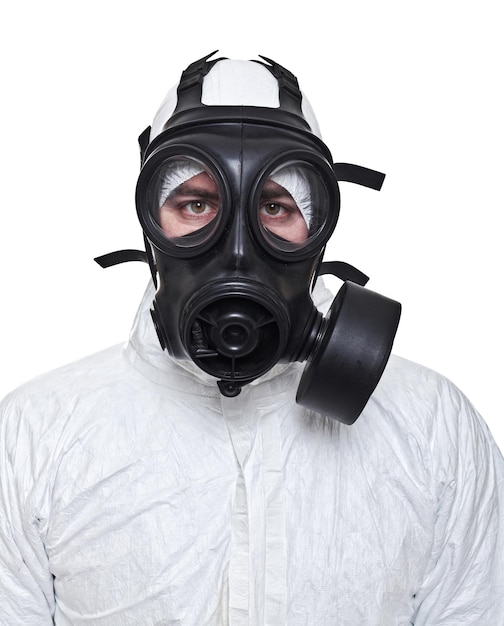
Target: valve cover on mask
235,331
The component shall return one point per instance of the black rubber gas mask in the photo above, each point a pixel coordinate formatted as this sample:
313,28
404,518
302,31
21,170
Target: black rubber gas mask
237,205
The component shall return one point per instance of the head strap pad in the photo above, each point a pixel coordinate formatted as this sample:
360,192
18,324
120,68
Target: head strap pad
189,91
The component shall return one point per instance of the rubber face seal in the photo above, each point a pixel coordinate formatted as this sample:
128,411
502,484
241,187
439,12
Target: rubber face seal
350,353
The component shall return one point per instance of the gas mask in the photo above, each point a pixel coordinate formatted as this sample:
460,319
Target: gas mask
237,204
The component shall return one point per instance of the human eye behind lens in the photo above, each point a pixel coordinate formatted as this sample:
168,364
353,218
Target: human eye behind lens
277,207
187,206
274,210
188,210
197,207
279,214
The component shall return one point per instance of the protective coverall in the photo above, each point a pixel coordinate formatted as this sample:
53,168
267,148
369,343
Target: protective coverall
132,492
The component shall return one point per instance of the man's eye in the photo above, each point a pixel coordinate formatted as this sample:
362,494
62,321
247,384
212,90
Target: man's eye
272,209
197,207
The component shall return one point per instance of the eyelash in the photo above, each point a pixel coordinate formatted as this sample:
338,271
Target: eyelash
281,206
207,208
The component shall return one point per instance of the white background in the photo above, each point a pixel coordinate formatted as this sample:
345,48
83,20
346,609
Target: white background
411,89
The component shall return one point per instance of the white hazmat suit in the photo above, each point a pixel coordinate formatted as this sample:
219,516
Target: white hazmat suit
133,492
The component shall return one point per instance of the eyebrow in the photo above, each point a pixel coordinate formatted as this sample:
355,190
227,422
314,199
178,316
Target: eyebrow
184,190
272,194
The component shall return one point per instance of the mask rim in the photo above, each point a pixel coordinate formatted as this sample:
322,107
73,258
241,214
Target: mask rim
326,174
152,229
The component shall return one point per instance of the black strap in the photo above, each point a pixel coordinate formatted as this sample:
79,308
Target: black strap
120,256
143,142
344,271
289,94
348,172
191,82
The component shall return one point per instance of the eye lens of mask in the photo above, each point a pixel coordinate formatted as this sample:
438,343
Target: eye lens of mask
292,206
185,201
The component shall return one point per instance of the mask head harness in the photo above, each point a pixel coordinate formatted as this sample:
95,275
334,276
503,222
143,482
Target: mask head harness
237,204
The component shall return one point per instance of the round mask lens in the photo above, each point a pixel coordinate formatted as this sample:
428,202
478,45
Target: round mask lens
185,201
292,206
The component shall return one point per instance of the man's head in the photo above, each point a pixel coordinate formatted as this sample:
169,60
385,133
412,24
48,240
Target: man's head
237,198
